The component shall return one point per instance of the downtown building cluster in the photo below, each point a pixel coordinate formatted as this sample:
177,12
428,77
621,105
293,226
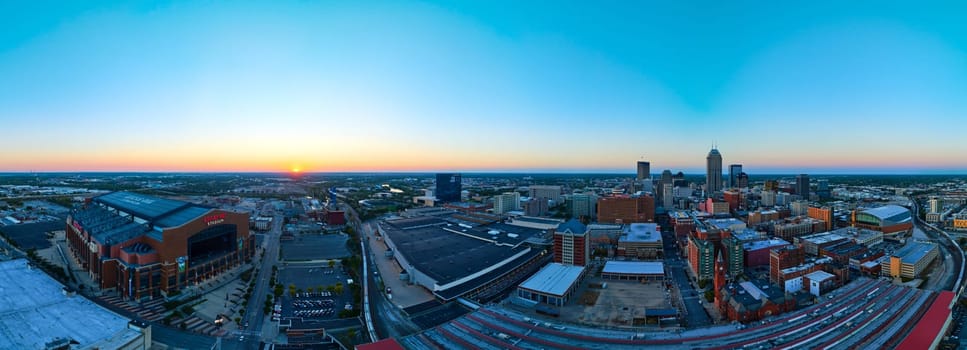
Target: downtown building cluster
759,248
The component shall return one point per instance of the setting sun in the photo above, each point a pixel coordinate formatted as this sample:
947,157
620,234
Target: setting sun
296,170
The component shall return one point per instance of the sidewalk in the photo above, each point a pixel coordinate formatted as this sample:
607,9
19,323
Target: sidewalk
404,294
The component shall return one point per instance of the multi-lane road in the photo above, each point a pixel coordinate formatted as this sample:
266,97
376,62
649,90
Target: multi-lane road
952,256
391,322
254,313
695,315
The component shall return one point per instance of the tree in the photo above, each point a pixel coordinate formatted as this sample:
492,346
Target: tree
338,289
332,263
309,289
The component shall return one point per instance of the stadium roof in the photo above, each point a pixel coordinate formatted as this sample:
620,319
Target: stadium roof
182,216
159,211
145,207
35,311
554,279
634,267
890,214
641,233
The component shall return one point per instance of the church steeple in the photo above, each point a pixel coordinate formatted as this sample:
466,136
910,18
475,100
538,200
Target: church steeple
719,281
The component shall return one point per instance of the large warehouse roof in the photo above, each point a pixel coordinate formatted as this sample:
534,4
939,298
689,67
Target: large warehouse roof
913,252
35,311
448,253
554,279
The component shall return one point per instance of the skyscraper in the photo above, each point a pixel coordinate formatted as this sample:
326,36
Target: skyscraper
506,202
802,185
734,171
666,177
448,187
822,188
644,170
713,172
742,179
936,205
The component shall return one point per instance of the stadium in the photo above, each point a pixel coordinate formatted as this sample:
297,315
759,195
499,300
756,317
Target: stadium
893,220
146,247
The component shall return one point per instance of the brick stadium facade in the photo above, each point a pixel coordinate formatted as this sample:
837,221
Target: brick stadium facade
147,247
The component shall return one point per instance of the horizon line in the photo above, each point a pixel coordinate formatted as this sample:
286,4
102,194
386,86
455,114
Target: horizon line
516,172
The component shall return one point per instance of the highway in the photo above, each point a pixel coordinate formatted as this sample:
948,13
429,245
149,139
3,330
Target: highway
953,257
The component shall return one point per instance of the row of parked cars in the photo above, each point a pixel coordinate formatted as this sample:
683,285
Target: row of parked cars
305,304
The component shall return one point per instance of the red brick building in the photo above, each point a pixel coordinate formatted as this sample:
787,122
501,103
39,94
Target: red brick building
571,246
782,258
147,247
734,198
626,209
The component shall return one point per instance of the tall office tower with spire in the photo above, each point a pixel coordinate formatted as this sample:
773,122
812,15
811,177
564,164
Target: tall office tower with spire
734,171
713,172
644,170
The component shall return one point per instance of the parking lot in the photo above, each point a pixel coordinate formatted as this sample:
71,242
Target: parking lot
324,300
34,235
315,247
620,303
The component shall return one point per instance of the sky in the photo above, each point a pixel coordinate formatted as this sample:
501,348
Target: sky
820,87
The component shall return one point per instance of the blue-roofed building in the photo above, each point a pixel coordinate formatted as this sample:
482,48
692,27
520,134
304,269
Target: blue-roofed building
144,246
911,260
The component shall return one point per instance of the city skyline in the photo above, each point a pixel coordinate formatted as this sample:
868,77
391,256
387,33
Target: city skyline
826,88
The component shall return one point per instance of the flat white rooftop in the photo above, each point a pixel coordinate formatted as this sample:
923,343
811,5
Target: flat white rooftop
641,233
34,311
634,267
553,279
819,276
823,238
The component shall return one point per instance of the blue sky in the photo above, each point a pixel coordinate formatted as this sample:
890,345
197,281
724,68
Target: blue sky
540,86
